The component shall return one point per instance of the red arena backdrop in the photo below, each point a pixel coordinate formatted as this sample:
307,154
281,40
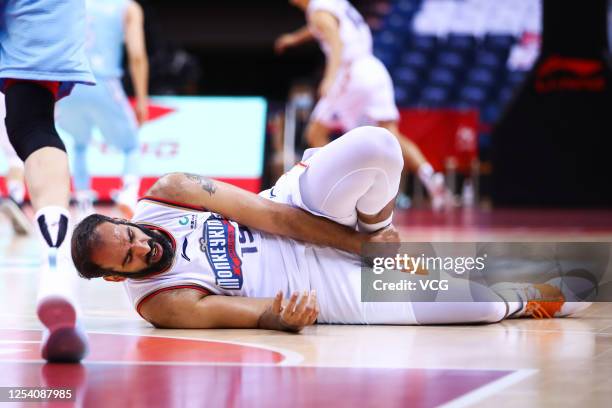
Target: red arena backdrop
218,137
443,135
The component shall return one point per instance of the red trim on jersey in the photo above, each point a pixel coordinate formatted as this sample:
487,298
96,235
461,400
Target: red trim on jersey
173,203
158,291
52,86
302,164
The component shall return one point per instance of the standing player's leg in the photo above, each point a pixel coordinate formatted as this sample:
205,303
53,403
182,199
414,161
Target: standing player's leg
354,179
317,133
31,129
373,83
418,164
117,121
330,111
42,55
74,116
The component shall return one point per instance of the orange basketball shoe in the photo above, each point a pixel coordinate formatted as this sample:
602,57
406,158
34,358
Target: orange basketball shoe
540,300
546,301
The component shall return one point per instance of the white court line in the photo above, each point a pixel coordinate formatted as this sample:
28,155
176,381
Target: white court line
291,358
496,386
19,341
150,363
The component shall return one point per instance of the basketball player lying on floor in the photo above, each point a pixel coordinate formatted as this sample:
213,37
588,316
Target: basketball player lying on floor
202,254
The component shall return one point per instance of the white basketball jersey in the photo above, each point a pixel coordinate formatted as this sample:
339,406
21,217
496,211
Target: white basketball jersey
354,32
217,255
221,257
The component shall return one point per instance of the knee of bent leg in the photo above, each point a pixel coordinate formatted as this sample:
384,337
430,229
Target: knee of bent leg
379,147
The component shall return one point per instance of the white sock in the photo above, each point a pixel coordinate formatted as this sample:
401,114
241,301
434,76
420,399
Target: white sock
53,225
58,276
363,227
16,190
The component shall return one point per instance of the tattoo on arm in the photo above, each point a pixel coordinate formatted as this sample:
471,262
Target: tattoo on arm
207,184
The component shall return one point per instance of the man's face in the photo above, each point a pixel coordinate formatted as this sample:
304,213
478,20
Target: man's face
131,249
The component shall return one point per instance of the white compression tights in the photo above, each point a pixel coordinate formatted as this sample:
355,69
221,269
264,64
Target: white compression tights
358,172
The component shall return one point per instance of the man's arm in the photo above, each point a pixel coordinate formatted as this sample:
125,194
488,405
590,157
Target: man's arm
256,212
293,39
326,25
137,58
190,309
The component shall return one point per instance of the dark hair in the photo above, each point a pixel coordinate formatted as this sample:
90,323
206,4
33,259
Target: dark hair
84,239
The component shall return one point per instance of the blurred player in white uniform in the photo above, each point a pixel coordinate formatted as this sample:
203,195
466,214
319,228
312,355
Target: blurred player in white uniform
202,254
12,203
356,88
41,59
105,106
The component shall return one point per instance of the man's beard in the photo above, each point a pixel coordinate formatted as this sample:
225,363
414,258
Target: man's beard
164,262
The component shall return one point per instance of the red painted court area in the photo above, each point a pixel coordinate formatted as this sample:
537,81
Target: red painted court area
24,345
167,385
145,371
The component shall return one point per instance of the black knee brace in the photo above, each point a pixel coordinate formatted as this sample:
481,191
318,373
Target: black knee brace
30,123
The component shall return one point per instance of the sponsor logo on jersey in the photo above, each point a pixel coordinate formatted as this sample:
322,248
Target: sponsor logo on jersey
184,252
219,244
191,220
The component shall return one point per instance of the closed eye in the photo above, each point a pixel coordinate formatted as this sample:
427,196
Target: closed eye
128,256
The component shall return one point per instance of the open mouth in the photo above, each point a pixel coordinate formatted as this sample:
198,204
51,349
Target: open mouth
156,253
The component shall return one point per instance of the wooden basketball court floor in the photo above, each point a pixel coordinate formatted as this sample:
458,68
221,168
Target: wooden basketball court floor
516,363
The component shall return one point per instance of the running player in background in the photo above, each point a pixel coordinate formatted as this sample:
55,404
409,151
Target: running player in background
12,204
224,257
356,88
41,59
105,106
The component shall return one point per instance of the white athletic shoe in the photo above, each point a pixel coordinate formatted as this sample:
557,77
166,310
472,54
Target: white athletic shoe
541,300
63,340
441,197
21,223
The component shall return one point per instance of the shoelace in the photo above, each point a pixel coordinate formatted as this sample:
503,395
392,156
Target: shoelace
543,309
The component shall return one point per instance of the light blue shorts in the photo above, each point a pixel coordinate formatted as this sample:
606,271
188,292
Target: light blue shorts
44,40
103,106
